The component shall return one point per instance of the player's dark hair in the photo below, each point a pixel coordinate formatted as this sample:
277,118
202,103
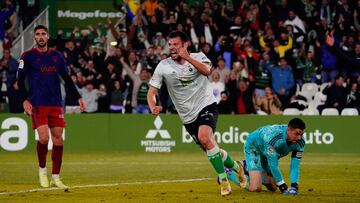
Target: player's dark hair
296,123
38,27
180,34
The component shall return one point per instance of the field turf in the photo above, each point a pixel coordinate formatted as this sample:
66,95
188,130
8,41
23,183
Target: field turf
170,177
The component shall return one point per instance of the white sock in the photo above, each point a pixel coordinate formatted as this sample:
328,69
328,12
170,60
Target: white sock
213,151
42,170
55,176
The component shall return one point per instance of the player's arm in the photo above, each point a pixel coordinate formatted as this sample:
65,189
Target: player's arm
152,95
204,67
273,161
295,165
69,83
21,75
151,98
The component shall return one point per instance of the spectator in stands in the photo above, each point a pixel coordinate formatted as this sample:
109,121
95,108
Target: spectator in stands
91,96
151,58
282,81
310,67
353,97
28,10
12,27
329,69
6,11
71,103
7,64
140,88
224,106
336,95
104,101
242,99
298,26
269,103
281,45
222,70
8,69
217,86
351,58
117,99
207,49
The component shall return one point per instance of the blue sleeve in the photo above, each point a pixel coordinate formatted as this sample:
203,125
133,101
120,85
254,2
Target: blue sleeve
295,162
64,73
62,64
295,167
273,161
22,71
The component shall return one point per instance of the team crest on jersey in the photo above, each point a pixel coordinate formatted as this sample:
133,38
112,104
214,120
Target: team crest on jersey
54,58
21,64
270,150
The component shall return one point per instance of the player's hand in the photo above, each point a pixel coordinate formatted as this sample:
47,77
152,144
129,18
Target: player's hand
156,110
82,104
291,191
27,107
183,52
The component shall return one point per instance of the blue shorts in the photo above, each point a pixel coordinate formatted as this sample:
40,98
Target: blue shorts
255,161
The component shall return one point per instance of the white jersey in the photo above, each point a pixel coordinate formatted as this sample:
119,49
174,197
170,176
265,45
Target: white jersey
189,90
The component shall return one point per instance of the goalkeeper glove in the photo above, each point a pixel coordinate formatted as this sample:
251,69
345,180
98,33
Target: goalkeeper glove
283,188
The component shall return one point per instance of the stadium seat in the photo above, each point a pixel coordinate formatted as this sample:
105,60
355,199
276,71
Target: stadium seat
330,112
309,90
349,112
319,99
291,111
261,113
310,112
298,88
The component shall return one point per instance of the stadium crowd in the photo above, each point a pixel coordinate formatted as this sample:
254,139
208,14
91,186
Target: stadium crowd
264,54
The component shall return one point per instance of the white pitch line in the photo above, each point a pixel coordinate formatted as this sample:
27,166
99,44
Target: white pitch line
107,185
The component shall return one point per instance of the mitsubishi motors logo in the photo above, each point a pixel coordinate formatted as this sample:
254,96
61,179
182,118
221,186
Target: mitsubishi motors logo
163,133
155,143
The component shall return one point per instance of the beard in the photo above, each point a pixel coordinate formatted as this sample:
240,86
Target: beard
176,58
41,44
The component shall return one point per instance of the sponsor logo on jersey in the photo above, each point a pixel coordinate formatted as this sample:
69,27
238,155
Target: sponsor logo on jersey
48,69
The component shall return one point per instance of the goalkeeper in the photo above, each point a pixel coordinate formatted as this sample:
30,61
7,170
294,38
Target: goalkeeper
264,147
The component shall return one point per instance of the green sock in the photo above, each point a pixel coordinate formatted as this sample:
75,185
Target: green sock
229,161
215,159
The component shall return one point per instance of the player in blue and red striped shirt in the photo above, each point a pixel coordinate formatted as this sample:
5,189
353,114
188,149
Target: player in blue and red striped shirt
42,67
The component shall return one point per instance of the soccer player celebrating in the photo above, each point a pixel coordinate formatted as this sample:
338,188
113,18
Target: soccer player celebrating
185,76
264,147
42,67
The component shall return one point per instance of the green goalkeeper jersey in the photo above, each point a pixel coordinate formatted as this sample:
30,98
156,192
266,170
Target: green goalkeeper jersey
271,142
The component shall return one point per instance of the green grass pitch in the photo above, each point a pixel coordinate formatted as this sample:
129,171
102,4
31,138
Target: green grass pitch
136,177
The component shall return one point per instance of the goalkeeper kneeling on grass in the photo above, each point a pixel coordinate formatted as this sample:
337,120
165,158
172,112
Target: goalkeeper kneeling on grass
264,147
